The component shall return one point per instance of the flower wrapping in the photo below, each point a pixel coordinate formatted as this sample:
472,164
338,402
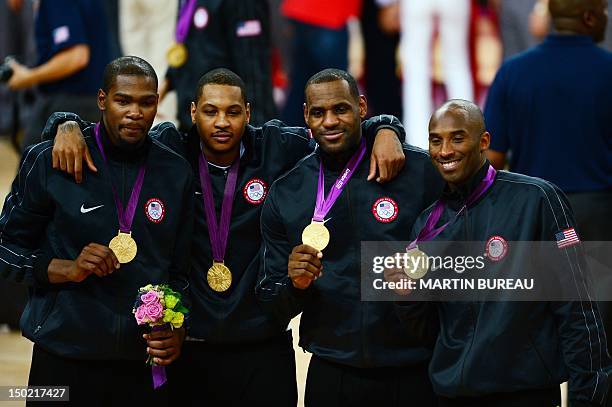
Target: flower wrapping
159,307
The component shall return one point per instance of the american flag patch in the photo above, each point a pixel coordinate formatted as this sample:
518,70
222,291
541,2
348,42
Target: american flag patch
249,28
61,34
566,238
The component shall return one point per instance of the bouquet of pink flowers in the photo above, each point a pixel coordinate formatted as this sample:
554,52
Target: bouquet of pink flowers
160,307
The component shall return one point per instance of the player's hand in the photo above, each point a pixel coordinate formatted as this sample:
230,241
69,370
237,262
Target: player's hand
387,156
96,259
69,150
22,76
165,346
396,275
304,266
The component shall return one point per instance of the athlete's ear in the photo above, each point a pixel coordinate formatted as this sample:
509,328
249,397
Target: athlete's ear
101,99
248,112
485,141
194,108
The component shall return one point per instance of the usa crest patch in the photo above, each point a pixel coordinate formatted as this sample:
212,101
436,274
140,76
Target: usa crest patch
255,191
385,210
155,210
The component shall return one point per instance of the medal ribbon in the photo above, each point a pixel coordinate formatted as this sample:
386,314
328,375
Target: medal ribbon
324,204
218,232
184,21
429,231
126,216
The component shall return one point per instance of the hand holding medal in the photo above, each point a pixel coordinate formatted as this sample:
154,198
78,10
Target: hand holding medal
417,264
123,245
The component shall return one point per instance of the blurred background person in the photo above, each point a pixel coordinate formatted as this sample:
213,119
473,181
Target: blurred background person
549,110
382,85
16,40
319,40
73,48
233,34
146,29
418,20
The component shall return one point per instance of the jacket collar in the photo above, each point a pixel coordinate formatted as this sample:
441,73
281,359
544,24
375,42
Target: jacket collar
456,198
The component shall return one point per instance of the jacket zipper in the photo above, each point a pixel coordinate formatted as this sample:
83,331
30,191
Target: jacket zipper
469,304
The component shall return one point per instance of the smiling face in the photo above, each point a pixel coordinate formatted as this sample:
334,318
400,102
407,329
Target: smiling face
129,108
334,116
457,143
220,116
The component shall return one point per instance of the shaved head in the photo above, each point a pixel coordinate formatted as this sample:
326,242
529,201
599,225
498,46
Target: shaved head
473,117
458,140
571,8
582,17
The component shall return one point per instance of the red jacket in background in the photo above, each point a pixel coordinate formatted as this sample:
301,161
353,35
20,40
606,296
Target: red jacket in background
324,13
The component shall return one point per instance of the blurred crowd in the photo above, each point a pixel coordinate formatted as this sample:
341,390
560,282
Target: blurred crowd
407,55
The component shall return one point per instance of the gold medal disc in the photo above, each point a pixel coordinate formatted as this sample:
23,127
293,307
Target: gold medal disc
176,55
416,264
316,235
124,247
219,277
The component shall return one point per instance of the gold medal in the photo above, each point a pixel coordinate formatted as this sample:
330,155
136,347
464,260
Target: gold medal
176,55
124,247
416,264
219,277
316,235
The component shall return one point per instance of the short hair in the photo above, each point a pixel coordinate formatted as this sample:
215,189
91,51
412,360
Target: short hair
221,76
332,75
475,118
128,65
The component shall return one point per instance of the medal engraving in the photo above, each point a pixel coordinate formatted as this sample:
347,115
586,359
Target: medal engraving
316,235
124,247
219,277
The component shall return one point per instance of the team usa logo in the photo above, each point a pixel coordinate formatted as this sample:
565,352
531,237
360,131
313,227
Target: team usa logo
496,248
255,191
155,210
385,210
200,18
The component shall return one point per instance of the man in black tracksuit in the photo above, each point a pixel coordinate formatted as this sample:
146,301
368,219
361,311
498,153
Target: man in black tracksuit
493,353
361,353
54,237
235,353
233,34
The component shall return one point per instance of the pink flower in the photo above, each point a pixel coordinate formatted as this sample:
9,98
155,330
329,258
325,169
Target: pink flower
149,297
141,315
154,311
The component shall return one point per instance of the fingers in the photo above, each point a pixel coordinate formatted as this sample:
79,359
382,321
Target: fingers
373,165
166,333
304,266
89,160
70,159
305,249
98,259
62,162
165,356
383,172
56,159
310,258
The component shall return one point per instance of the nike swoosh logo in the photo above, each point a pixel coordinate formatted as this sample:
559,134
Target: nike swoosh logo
198,193
93,208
